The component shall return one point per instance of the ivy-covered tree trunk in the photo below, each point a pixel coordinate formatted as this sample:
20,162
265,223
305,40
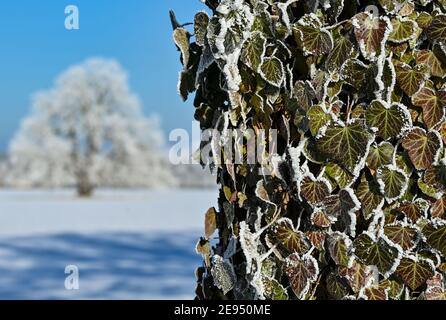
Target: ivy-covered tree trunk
345,198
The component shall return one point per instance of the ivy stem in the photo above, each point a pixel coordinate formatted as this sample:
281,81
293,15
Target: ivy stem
349,109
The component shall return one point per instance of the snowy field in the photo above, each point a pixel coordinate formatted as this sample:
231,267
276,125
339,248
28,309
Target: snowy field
126,244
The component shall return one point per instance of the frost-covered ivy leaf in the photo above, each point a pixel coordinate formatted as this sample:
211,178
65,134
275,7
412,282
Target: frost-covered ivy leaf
342,51
338,245
315,40
422,147
223,274
181,39
317,238
272,71
336,288
343,206
433,104
201,22
392,181
320,218
437,28
376,252
341,176
411,79
380,155
432,59
287,238
414,271
273,289
423,19
388,79
357,275
442,132
436,236
391,6
393,288
317,118
254,51
403,29
402,235
413,210
301,271
314,191
438,208
353,71
210,222
375,293
304,92
391,121
371,33
347,145
435,176
370,197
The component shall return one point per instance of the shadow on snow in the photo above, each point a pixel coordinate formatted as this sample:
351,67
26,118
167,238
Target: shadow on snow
111,266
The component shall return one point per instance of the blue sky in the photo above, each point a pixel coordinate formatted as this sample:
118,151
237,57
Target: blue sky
35,47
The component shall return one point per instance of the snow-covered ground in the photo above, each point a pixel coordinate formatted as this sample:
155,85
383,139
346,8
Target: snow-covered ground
126,244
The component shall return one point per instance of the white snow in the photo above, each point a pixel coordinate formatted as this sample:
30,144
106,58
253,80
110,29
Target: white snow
126,244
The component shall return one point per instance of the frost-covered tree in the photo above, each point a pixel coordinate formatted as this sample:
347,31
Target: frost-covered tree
354,206
88,131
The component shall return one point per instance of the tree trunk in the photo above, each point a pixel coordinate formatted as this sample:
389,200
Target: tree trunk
84,185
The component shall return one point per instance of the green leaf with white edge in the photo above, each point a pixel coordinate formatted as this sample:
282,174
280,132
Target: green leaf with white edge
338,245
353,71
357,275
413,210
391,121
437,28
304,92
341,176
433,104
288,240
313,190
403,29
301,272
273,289
411,79
272,71
435,176
336,288
317,118
392,181
435,234
377,252
315,40
343,206
433,59
343,50
415,271
380,155
438,208
253,51
422,147
371,199
401,234
424,19
347,145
